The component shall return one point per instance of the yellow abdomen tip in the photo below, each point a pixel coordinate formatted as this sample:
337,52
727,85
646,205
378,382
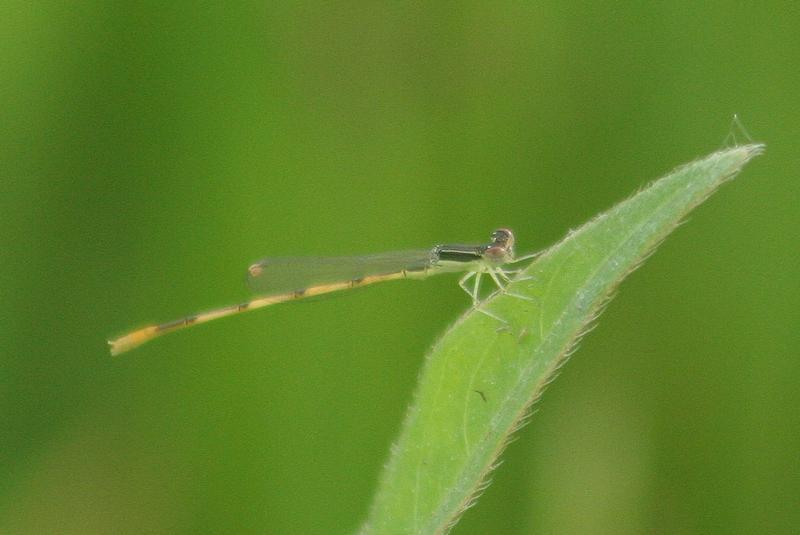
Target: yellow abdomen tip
132,340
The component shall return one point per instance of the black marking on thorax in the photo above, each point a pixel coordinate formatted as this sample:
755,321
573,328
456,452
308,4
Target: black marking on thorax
458,253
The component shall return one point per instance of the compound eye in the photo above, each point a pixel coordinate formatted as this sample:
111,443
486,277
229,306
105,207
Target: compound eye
503,235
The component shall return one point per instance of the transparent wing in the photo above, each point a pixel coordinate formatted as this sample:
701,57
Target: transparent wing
286,274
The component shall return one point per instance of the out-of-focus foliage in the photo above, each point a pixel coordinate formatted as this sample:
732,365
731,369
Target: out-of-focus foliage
149,152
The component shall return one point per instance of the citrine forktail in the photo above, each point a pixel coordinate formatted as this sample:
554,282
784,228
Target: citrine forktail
277,280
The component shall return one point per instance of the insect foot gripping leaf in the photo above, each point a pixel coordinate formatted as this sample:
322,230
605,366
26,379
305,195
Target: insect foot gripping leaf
480,378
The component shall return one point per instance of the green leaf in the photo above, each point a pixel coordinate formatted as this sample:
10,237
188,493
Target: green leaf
481,378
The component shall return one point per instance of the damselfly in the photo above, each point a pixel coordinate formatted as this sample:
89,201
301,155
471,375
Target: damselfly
281,279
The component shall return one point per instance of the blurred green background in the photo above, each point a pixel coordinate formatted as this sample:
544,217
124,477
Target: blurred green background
150,151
